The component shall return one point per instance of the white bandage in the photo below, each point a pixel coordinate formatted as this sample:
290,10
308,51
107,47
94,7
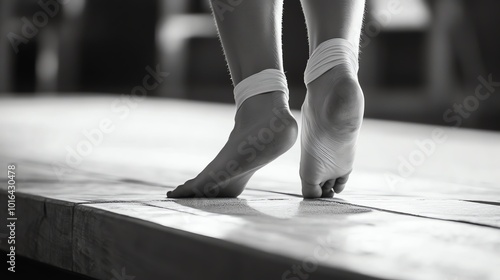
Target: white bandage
265,81
328,55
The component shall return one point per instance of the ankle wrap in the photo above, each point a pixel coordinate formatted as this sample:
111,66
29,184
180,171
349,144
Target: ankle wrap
265,81
329,54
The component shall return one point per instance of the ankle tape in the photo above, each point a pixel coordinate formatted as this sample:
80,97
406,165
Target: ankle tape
265,81
329,54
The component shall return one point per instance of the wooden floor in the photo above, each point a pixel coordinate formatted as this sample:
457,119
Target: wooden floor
105,215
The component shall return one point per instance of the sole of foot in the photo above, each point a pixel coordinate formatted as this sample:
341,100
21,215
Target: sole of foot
332,116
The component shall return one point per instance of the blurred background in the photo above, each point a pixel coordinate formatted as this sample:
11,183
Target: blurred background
421,61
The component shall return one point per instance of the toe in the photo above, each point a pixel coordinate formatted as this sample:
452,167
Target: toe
180,191
327,188
311,190
340,184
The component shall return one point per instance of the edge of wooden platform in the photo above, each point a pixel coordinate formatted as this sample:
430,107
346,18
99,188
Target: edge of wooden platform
94,242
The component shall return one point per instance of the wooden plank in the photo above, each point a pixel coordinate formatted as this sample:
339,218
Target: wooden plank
382,245
111,242
109,236
43,229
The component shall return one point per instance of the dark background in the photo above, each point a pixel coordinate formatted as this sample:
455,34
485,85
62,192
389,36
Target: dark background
414,67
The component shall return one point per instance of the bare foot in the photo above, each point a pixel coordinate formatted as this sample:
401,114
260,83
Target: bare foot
331,116
264,129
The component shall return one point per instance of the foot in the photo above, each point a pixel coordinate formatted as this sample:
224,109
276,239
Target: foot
264,129
331,118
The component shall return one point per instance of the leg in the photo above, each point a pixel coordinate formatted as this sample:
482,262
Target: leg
264,127
333,109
